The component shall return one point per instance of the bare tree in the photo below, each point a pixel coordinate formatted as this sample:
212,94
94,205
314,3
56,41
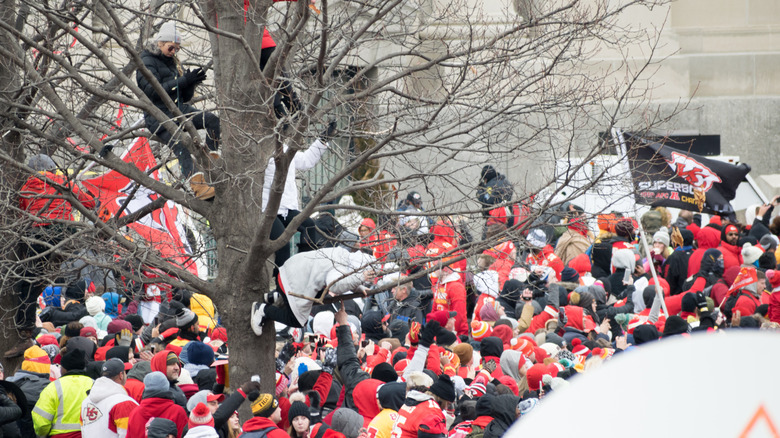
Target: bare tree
425,94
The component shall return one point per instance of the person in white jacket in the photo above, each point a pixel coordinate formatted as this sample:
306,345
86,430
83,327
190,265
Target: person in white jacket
106,410
309,274
289,206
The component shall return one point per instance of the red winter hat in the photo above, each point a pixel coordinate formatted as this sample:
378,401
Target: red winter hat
219,334
46,340
664,285
440,316
510,383
480,330
579,349
87,332
534,376
581,264
773,276
540,354
524,345
200,416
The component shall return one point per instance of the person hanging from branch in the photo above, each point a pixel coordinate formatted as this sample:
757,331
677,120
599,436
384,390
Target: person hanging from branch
161,60
334,271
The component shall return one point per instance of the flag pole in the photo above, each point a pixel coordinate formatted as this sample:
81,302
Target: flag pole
617,137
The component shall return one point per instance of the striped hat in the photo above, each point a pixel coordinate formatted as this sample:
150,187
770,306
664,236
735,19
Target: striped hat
523,345
578,349
264,405
200,416
36,360
480,330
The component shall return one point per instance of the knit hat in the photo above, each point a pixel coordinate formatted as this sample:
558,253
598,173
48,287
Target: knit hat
117,326
74,360
200,416
537,238
773,277
160,427
624,259
769,242
135,320
168,32
298,409
480,330
36,360
95,305
417,378
185,318
581,264
265,405
444,388
52,350
570,275
465,352
112,368
78,289
535,373
199,353
156,382
440,316
675,326
346,421
579,349
384,372
662,235
750,253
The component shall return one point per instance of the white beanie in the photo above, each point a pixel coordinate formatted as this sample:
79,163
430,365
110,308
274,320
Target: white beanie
487,282
662,235
537,238
750,253
168,32
95,305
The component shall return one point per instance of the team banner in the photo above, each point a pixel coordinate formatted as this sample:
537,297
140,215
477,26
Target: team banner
162,229
670,177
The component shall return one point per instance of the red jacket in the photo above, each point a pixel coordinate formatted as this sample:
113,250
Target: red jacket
155,407
43,200
411,416
774,307
451,296
707,238
732,255
134,388
259,423
547,257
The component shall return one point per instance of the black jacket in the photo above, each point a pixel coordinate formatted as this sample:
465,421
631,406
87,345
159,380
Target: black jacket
676,269
74,311
164,70
407,310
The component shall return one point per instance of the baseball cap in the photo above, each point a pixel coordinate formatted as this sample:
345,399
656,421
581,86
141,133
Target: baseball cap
112,368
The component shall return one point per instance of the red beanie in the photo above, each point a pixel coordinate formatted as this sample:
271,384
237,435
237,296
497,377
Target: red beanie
581,264
534,376
504,332
510,383
200,416
540,354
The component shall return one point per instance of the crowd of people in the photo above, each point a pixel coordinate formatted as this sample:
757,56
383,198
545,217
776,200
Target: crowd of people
432,341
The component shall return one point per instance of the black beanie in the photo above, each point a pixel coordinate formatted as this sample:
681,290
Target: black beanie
648,295
444,388
675,326
307,380
74,360
688,303
297,409
136,321
445,338
491,346
485,405
384,372
645,333
77,290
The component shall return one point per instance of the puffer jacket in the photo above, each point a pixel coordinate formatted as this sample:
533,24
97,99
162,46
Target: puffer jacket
164,70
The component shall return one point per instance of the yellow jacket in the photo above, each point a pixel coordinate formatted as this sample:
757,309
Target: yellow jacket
58,409
202,306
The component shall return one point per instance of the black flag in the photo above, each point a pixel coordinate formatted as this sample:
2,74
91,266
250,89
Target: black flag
669,177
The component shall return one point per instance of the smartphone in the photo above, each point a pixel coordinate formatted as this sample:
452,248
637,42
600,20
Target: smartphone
364,344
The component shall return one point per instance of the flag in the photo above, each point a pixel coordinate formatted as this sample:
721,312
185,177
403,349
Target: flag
669,177
162,229
746,276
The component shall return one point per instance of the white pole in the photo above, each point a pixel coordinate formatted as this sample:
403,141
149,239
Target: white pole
617,137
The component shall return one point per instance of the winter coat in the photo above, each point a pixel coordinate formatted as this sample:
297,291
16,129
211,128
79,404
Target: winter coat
73,311
255,426
407,310
59,407
570,245
707,238
676,269
449,294
503,412
308,273
303,160
546,257
10,414
364,397
495,190
31,384
163,68
135,380
41,199
348,365
161,405
106,411
417,407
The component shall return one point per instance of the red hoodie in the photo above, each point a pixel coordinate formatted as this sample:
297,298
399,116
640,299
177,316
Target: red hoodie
364,396
155,407
708,238
43,200
732,254
547,257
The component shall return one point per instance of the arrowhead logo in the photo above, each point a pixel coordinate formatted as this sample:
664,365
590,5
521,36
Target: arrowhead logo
760,414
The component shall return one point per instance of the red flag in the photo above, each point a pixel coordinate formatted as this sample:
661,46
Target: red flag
747,276
162,228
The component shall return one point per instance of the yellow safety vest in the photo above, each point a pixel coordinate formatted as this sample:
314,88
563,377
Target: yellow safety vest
58,409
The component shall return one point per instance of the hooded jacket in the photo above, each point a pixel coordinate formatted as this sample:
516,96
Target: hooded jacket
31,384
159,363
364,397
256,425
503,412
135,380
348,365
41,198
106,411
156,405
707,238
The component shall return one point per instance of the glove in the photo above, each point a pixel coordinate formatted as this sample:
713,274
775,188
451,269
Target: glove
429,333
194,76
125,338
250,386
329,360
414,332
701,302
330,130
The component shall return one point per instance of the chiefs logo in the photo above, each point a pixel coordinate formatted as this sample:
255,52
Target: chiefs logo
695,173
90,414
